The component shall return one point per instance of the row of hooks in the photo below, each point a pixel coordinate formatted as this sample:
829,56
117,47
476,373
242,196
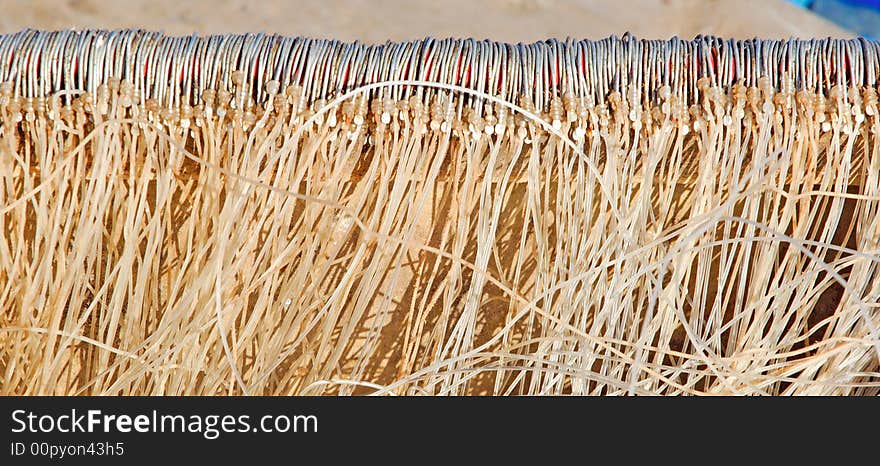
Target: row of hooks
174,70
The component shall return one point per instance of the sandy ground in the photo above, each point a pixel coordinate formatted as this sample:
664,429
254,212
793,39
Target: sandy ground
381,20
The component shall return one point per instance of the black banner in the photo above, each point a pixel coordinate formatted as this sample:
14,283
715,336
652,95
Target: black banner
218,430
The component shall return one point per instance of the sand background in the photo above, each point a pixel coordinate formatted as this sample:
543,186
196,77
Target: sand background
381,20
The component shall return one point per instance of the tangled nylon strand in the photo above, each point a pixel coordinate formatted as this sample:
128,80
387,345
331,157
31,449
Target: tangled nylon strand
267,215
